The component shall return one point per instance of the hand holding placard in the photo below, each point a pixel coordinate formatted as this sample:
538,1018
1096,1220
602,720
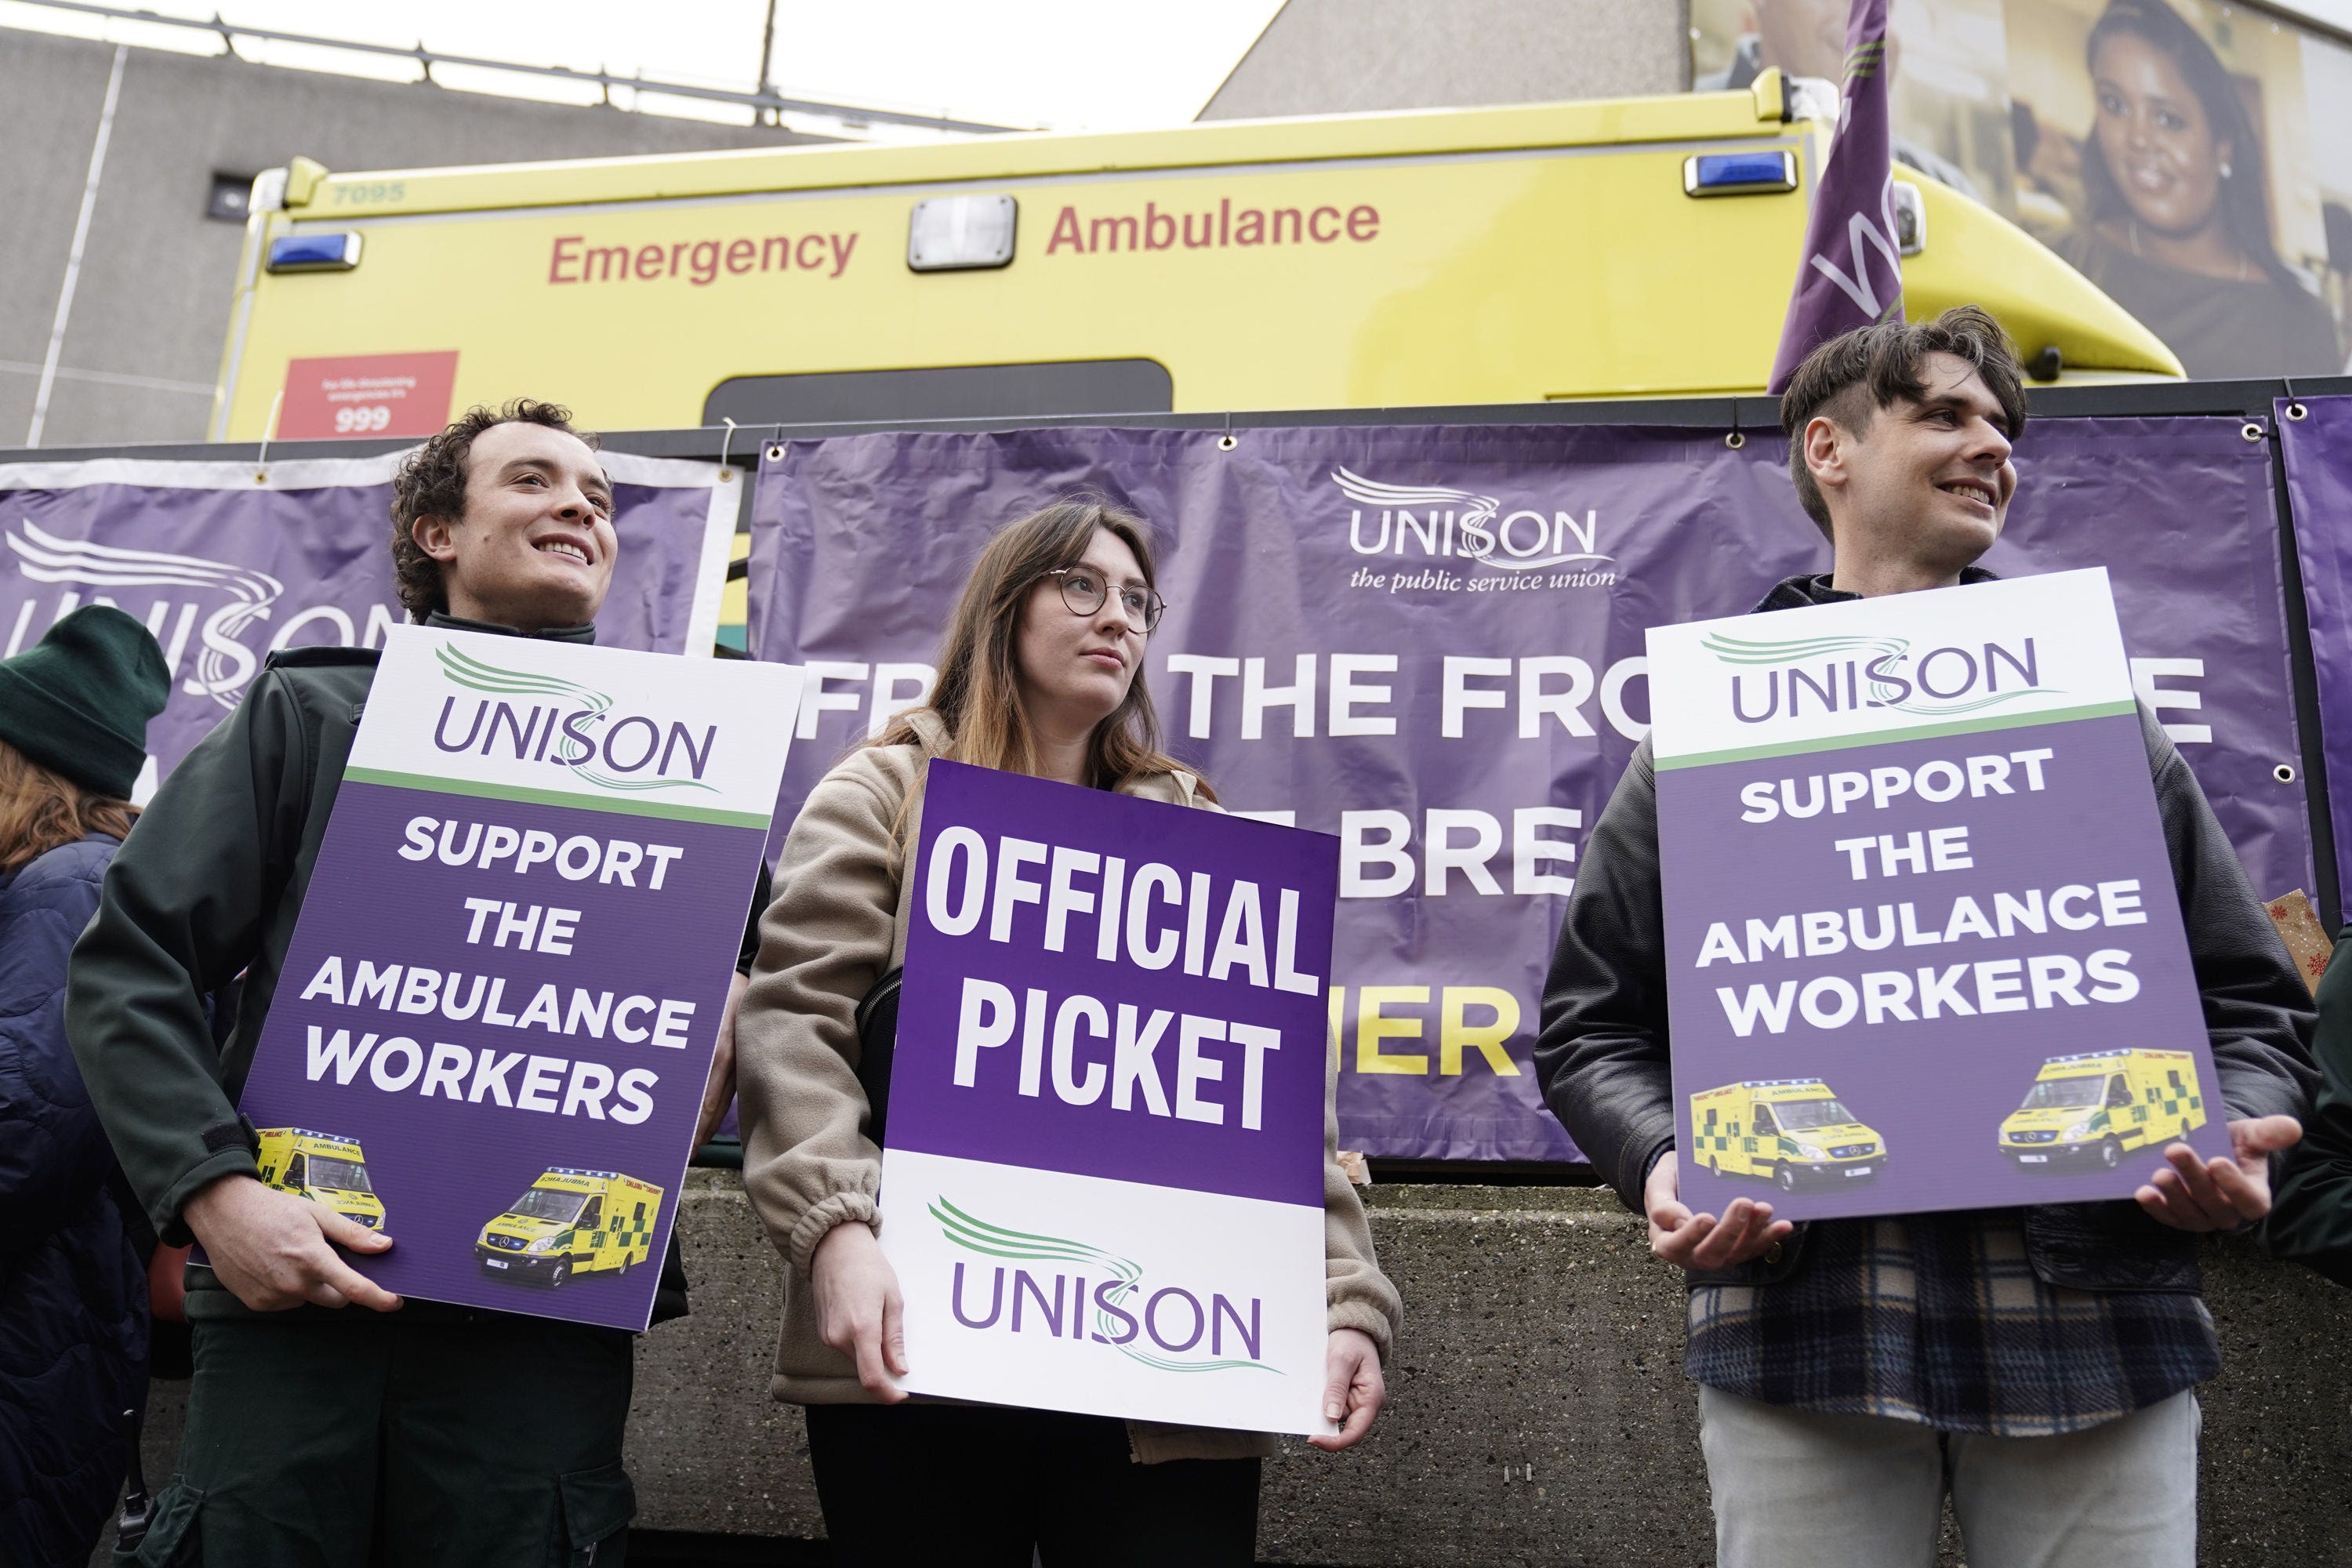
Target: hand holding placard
2192,1194
270,1249
859,1311
1689,1240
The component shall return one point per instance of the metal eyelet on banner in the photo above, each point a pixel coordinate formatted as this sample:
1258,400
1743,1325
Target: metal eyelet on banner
2296,411
1225,443
2252,430
2284,773
724,442
776,452
1737,439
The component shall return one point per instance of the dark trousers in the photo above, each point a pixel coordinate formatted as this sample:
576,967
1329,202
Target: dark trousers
986,1486
342,1440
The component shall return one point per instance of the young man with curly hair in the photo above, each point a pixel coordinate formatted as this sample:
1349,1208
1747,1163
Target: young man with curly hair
329,1421
2038,1365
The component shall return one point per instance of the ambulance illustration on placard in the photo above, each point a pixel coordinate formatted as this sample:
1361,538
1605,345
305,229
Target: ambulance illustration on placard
1786,1131
323,1168
2094,1107
572,1222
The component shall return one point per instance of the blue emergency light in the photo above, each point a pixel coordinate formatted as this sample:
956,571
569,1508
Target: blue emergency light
1739,174
334,252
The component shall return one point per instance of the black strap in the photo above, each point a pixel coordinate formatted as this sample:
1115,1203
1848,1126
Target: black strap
877,1042
138,1506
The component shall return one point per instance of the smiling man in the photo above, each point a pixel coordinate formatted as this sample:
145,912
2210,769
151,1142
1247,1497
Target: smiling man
2036,1365
328,1422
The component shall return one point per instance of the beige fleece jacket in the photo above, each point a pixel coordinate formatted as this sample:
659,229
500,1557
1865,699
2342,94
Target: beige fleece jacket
835,927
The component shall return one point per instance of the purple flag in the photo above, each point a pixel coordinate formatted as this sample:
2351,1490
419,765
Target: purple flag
1841,284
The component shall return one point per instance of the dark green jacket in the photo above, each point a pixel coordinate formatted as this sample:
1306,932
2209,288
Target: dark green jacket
209,886
2311,1208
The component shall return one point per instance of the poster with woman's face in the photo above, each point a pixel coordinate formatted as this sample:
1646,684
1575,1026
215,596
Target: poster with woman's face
2193,158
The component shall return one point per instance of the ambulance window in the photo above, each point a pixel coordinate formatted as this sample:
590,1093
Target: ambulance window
944,392
1710,1116
641,1217
594,1215
2118,1093
2174,1074
297,1172
1765,1124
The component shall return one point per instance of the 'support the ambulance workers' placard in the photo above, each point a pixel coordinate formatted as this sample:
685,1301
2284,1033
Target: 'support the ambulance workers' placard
495,1021
1923,946
1103,1190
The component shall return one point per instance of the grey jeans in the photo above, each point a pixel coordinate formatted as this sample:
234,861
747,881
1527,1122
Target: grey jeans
1796,1488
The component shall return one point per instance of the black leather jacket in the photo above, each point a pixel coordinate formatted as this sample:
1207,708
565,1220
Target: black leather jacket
1602,1058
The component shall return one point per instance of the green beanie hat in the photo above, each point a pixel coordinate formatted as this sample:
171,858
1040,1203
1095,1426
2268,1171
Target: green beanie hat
78,702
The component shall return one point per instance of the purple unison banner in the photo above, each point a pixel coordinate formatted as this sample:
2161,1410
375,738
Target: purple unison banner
2316,436
1429,641
226,562
1922,946
499,1005
1103,1189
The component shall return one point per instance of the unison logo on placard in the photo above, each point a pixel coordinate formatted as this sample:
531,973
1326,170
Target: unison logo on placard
1095,1297
1796,677
1437,522
566,725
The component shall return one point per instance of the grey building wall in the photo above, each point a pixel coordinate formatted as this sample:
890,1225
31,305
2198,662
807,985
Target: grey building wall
151,309
1334,56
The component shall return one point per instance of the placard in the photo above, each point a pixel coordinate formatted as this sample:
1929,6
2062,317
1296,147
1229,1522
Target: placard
496,1014
1923,947
1103,1190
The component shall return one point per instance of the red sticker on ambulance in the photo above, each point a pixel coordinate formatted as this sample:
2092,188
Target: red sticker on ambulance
367,395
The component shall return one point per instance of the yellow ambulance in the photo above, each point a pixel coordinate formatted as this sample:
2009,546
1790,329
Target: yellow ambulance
1786,1131
1605,248
572,1222
321,1167
2095,1106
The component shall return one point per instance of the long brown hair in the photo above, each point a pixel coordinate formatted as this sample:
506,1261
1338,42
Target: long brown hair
977,696
40,810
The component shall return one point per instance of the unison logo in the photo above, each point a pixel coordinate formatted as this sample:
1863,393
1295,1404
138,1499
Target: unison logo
215,603
1165,1329
1833,674
567,725
1438,521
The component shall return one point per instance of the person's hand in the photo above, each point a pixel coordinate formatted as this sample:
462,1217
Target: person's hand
271,1248
858,1312
1353,1391
721,1087
2192,1194
1698,1240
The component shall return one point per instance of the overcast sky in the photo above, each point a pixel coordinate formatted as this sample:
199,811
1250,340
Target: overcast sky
1058,64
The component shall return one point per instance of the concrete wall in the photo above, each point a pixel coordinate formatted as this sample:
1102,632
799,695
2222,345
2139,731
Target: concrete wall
1334,56
151,307
1537,1409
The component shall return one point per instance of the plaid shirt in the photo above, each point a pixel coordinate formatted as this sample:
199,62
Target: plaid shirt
1938,1319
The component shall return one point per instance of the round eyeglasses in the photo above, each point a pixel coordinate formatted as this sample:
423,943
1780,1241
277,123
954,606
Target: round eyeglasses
1084,591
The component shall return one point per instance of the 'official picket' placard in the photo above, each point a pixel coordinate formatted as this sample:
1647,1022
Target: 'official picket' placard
1103,1188
497,1012
1923,946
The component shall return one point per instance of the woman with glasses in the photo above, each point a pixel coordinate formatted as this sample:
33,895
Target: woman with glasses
1039,673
